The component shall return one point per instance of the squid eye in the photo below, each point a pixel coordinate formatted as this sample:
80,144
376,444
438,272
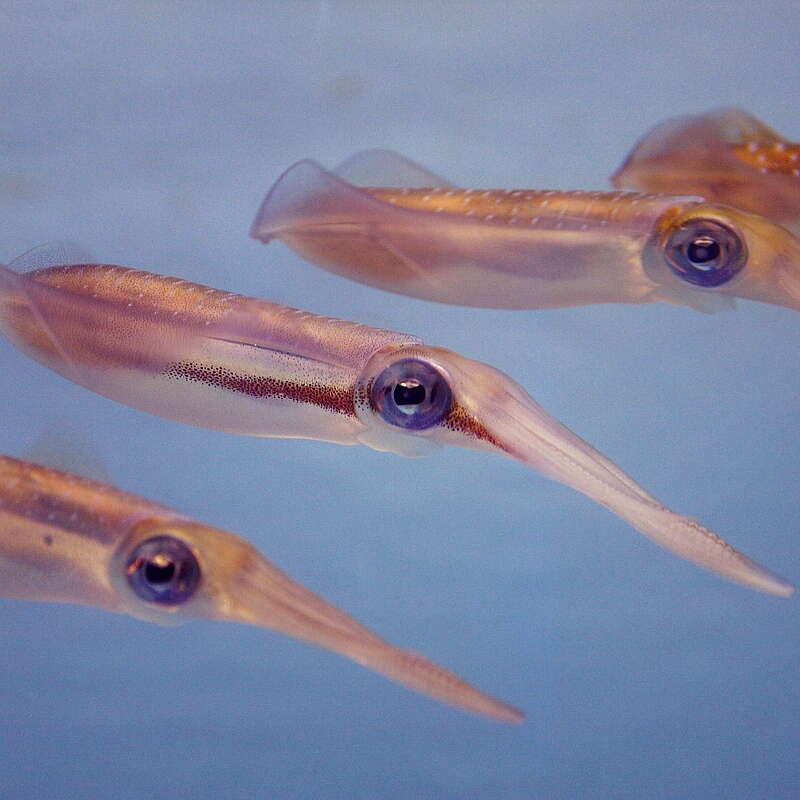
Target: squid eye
411,394
163,570
705,252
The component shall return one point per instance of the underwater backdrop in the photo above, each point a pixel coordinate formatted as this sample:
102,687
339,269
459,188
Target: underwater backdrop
149,133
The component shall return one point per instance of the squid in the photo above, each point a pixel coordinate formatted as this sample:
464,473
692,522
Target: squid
67,539
382,220
726,156
243,365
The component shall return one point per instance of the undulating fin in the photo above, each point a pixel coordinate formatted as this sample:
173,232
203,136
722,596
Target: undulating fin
23,323
64,444
306,194
704,302
386,168
725,156
679,137
17,296
330,220
737,126
52,254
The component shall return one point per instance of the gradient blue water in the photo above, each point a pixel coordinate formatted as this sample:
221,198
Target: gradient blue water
150,136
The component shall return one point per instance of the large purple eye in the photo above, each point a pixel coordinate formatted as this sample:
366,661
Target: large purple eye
705,252
411,394
163,570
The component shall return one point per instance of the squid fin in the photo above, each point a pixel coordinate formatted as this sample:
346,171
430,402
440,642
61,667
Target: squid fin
697,136
22,318
703,301
52,254
308,194
386,168
736,126
65,445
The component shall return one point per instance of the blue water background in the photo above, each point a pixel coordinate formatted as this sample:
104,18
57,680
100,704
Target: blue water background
149,132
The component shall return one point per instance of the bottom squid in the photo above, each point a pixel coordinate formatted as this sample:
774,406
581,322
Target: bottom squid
66,539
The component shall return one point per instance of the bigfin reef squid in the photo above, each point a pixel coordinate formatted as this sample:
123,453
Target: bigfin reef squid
382,220
67,539
232,363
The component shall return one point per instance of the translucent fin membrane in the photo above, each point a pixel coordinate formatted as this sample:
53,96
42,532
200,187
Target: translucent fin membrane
726,156
387,168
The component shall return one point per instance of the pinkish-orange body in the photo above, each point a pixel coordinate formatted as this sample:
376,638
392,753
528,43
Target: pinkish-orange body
779,158
522,248
726,156
67,539
238,364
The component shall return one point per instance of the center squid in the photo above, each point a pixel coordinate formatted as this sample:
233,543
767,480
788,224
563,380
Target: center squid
243,365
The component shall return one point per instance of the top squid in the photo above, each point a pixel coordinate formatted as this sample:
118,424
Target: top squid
382,220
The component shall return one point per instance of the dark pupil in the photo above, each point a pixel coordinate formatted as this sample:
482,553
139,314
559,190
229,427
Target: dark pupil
409,393
705,252
702,250
162,572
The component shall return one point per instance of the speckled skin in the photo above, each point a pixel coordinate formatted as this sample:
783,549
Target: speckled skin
64,538
782,158
192,353
511,248
238,364
543,210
